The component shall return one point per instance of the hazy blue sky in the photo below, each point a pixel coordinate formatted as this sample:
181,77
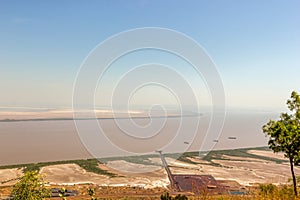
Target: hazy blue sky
255,44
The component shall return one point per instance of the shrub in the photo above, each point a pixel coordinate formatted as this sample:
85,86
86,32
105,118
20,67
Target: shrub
31,186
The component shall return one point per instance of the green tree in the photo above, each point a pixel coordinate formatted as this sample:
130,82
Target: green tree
92,193
285,134
31,186
62,193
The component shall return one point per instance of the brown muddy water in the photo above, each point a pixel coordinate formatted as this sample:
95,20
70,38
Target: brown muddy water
41,141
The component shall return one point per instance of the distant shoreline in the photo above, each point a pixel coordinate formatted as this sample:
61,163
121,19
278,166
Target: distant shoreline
98,118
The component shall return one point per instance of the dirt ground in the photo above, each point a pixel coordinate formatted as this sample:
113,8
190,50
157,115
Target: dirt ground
245,171
269,154
9,176
70,174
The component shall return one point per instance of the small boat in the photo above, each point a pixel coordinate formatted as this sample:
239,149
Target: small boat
231,138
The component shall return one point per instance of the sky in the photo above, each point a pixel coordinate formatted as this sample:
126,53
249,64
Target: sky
255,46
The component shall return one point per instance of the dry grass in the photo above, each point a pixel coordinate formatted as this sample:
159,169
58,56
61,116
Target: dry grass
135,193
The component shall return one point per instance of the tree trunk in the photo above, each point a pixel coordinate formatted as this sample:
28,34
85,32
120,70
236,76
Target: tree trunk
293,175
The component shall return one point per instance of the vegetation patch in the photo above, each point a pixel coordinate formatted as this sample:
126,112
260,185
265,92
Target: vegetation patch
90,165
218,155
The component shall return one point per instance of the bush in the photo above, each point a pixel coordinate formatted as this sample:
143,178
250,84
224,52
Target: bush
271,191
30,187
168,197
92,193
267,190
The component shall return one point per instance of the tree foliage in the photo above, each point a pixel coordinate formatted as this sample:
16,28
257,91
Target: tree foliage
31,186
92,193
168,197
284,134
62,193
